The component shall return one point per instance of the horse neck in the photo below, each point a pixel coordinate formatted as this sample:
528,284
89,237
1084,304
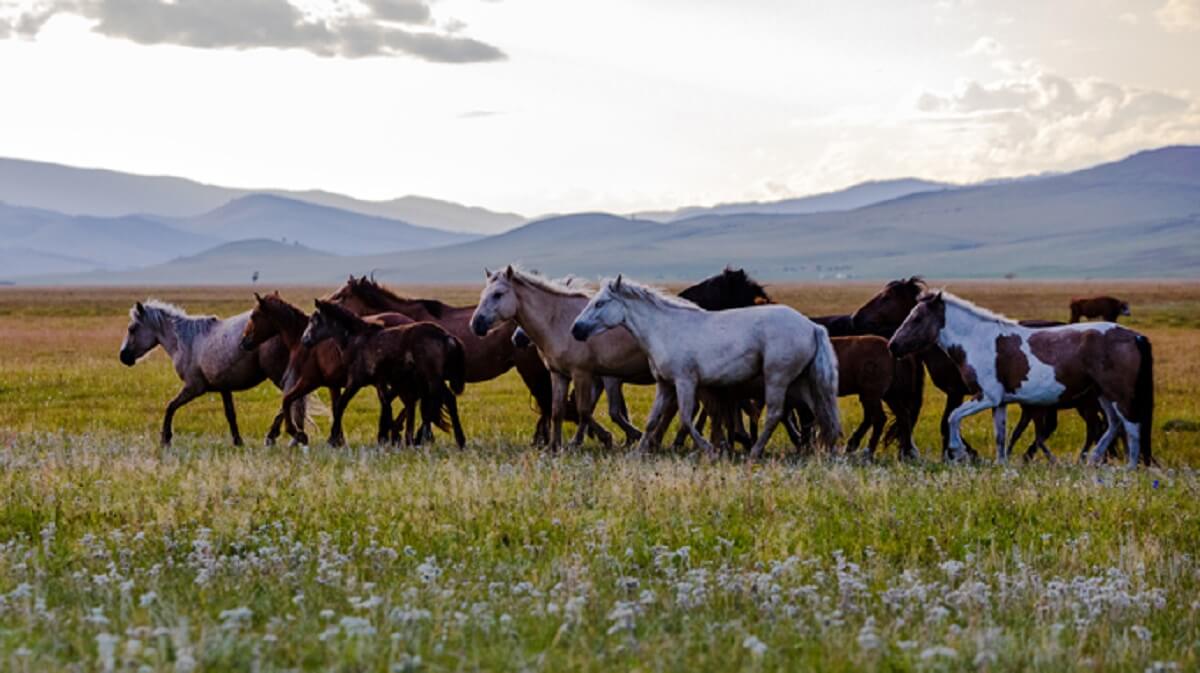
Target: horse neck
289,326
965,329
545,316
644,321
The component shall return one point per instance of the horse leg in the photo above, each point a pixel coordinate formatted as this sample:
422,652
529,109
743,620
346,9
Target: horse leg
794,433
681,435
664,401
298,390
856,437
878,420
1043,428
451,402
540,382
1110,432
776,398
231,416
558,408
953,401
618,411
383,434
685,392
958,450
187,394
999,420
902,424
336,436
586,388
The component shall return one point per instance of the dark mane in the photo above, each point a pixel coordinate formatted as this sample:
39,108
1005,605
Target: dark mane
731,288
283,312
346,318
914,284
374,293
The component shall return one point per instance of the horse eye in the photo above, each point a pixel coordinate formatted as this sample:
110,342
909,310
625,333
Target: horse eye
496,295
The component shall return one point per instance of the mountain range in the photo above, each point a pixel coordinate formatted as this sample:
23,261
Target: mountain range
1137,217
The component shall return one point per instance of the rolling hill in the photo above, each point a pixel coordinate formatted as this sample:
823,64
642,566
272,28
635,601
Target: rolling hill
105,193
1138,217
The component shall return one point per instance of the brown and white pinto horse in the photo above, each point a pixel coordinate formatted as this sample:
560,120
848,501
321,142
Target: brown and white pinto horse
1105,308
1004,362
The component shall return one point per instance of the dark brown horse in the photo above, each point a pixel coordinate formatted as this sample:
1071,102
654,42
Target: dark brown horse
1106,308
487,357
318,367
866,368
421,356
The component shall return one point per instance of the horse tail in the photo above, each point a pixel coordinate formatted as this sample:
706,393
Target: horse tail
456,365
1143,398
822,382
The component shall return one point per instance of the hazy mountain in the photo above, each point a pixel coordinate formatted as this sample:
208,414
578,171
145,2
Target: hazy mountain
105,193
1139,217
857,196
65,242
319,227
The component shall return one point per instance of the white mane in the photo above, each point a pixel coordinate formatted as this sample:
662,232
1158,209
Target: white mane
567,285
975,310
160,315
635,290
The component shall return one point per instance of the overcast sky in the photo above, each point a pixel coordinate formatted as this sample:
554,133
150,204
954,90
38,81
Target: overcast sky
541,106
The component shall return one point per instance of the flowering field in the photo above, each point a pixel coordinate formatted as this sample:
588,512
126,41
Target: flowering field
118,555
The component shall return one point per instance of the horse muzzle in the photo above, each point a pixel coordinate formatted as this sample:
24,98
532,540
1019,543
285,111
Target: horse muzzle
521,339
897,350
480,326
581,331
127,358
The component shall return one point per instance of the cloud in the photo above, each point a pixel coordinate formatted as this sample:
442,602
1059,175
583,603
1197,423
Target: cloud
985,46
1042,120
247,24
1179,15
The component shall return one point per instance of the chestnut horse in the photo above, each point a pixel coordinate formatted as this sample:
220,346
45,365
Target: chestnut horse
421,355
1004,362
321,366
488,356
1105,308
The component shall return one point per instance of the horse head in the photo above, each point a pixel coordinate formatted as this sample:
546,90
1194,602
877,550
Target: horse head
889,308
604,311
141,336
921,328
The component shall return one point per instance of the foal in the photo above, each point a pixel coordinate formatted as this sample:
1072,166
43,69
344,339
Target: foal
420,355
312,368
207,357
1105,308
1006,362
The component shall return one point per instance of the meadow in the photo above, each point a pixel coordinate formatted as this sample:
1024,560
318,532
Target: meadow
117,554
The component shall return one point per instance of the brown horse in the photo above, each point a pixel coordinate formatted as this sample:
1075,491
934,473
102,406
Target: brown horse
1004,362
866,368
318,367
487,357
421,355
907,390
1105,308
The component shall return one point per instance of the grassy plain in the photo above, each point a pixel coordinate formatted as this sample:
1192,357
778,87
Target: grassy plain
118,555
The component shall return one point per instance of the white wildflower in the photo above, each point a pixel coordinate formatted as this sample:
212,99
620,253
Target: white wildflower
756,647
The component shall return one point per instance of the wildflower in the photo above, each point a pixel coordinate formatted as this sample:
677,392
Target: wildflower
233,619
106,648
939,651
357,626
147,598
868,639
1142,633
756,647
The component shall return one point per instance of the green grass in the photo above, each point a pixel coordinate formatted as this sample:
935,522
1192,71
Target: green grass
116,551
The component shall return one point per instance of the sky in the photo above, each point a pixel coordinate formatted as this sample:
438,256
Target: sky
543,106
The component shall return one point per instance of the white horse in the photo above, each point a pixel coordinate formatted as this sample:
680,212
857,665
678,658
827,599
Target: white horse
208,357
1004,362
689,347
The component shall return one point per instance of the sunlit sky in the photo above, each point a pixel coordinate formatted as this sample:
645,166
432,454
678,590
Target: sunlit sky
540,106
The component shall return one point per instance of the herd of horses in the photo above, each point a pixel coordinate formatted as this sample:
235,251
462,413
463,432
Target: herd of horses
721,353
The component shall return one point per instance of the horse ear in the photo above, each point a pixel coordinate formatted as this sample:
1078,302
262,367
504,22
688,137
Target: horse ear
487,275
258,297
508,273
141,310
617,282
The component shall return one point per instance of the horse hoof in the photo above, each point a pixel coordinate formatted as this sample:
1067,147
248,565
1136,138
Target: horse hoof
237,441
269,442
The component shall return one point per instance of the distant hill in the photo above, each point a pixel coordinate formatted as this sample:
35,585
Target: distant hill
1138,217
319,227
857,196
105,193
50,242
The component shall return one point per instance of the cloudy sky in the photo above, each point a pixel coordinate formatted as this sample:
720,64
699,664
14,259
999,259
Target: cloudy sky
541,106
